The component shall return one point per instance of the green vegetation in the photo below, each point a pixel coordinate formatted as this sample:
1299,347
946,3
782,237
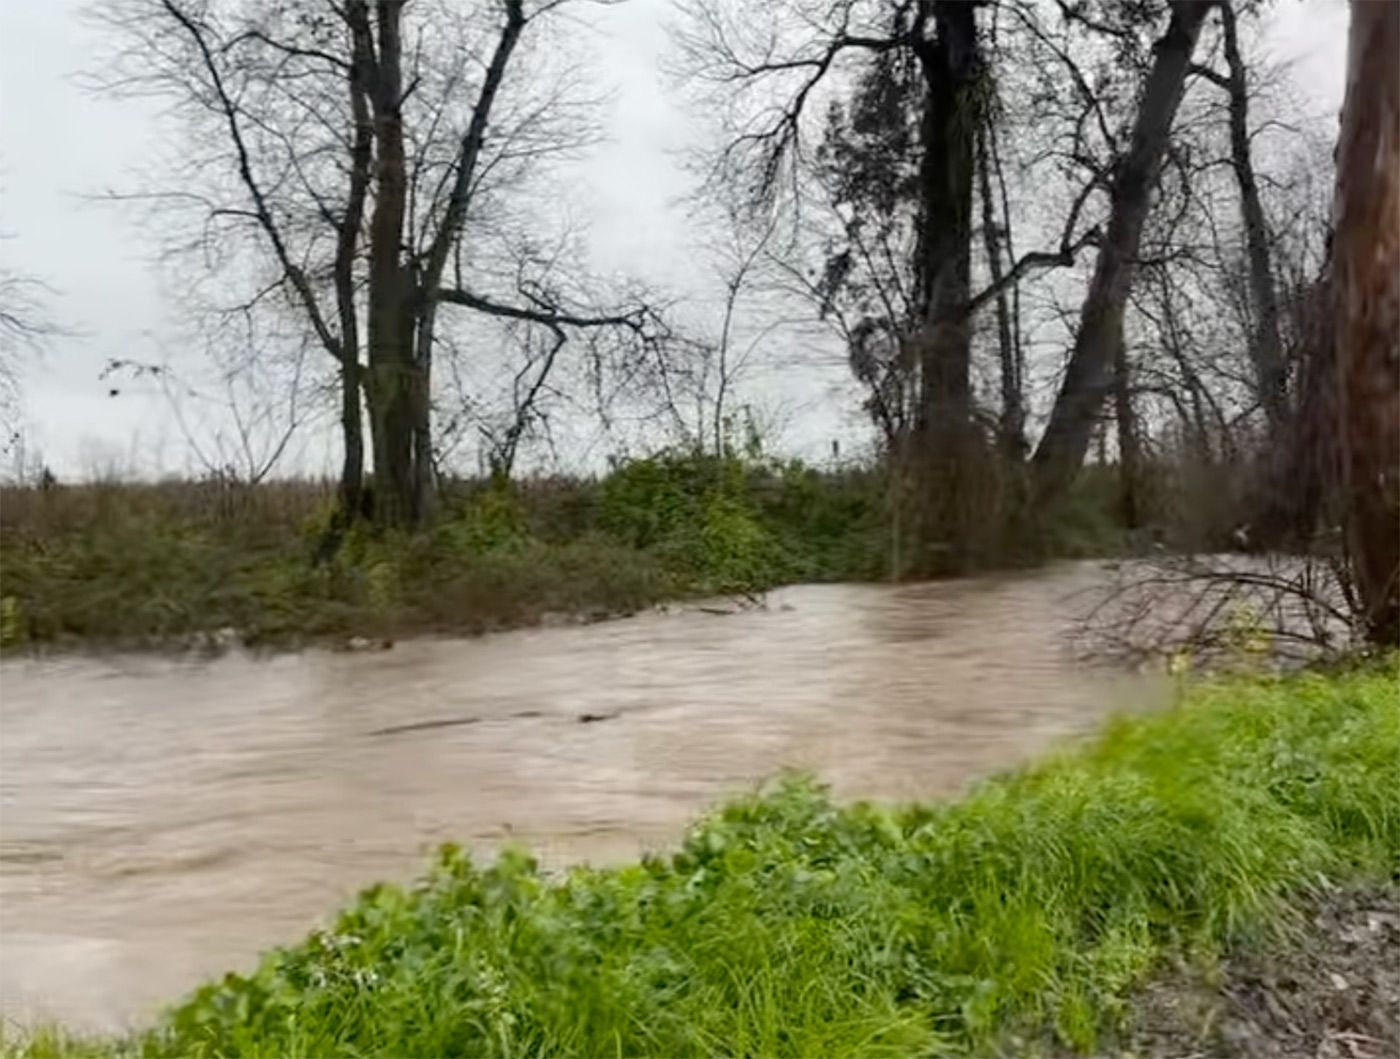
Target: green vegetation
130,564
1021,917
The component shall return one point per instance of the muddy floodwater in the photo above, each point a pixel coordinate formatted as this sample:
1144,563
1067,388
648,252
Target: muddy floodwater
163,820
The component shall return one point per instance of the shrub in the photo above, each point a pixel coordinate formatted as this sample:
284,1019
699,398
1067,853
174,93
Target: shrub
492,520
645,502
698,513
736,553
13,627
833,526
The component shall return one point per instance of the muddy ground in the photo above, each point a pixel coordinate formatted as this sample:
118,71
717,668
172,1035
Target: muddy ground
1331,992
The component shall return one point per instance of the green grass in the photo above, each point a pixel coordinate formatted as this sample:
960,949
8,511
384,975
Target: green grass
1017,918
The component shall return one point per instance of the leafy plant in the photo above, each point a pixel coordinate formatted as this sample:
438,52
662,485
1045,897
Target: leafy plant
491,521
644,502
12,625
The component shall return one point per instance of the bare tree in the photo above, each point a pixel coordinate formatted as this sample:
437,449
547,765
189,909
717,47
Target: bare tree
1089,375
354,165
25,330
897,99
1266,341
767,66
996,231
238,426
734,328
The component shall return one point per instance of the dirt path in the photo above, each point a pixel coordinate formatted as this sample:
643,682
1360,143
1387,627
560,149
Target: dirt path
1332,993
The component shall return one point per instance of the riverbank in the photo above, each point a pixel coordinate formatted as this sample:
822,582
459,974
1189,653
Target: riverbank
1025,917
194,564
209,563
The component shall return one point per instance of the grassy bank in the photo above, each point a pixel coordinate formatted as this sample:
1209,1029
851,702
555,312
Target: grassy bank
138,564
1021,917
162,564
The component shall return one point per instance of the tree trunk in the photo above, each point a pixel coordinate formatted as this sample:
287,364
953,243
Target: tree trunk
424,481
1310,468
1126,422
1366,263
1089,375
352,474
1012,423
352,470
425,285
424,476
1266,344
392,366
951,68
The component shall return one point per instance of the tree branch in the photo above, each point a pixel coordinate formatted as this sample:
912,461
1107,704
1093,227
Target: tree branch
356,15
262,211
1214,77
1081,83
773,131
1039,259
470,151
290,50
633,319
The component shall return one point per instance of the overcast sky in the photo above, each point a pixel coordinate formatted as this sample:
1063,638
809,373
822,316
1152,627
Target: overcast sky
59,143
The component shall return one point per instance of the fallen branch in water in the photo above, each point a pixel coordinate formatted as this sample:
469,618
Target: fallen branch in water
1290,608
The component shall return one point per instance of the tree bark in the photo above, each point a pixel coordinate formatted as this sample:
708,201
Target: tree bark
392,367
352,473
1266,343
1366,263
1126,422
1017,338
352,468
1089,375
952,68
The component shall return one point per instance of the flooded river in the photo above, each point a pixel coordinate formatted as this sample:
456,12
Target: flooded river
164,820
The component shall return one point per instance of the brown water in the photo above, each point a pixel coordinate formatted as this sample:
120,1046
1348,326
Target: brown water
165,820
